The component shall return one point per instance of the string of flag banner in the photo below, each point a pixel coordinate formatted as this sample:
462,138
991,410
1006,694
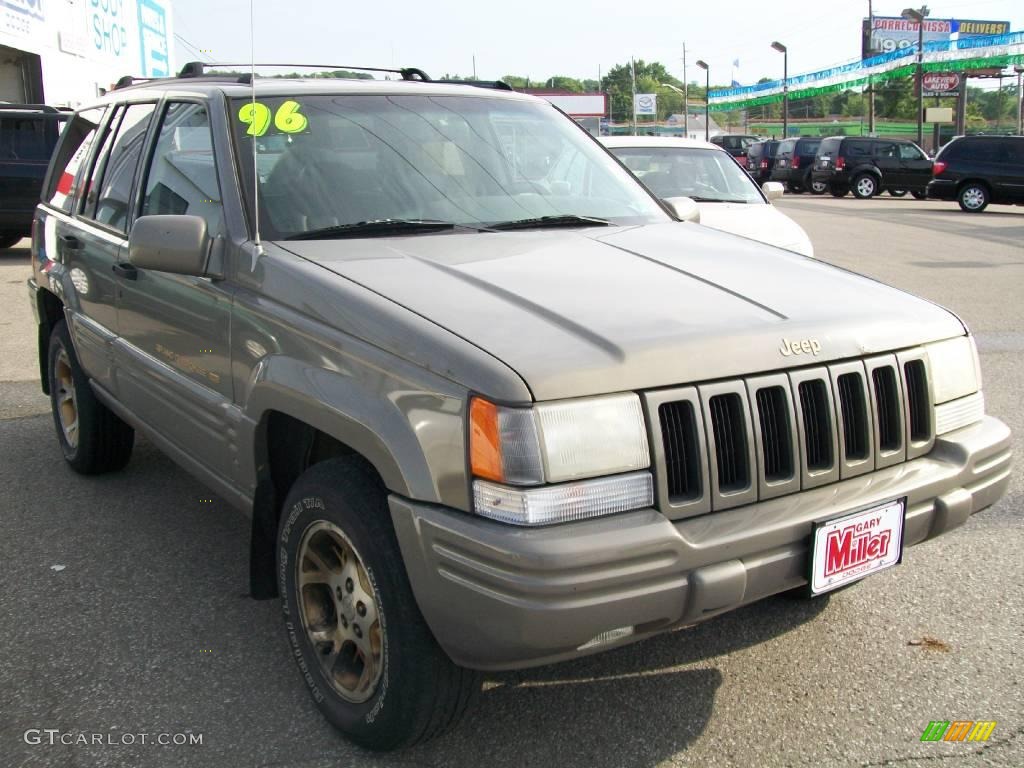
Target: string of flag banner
940,56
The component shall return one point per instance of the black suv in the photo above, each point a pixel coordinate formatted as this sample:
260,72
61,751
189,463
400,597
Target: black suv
761,159
978,170
28,133
794,159
868,166
736,145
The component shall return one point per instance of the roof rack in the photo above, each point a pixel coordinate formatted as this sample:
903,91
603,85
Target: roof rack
28,107
497,85
199,68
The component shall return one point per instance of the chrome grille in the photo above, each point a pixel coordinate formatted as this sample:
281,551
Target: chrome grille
725,444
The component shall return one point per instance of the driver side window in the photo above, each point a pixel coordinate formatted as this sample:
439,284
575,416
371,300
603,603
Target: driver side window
908,152
182,176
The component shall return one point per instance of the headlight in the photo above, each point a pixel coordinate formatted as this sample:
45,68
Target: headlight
954,368
558,442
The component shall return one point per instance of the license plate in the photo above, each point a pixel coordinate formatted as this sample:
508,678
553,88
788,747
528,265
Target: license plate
851,547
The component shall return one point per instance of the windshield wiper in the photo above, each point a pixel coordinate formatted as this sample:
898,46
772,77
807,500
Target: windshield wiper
377,228
716,200
551,221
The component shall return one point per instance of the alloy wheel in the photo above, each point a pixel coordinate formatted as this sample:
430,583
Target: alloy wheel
67,405
973,197
339,611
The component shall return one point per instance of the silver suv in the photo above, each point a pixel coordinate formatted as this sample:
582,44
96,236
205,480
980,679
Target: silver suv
488,404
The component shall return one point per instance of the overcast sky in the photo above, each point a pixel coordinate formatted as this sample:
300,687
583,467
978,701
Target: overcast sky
540,39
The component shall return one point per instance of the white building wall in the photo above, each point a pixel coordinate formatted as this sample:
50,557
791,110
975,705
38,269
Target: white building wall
85,45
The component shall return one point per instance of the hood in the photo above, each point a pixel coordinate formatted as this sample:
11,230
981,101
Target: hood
582,312
765,223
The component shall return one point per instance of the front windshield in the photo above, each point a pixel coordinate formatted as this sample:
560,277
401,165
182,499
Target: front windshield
336,160
709,175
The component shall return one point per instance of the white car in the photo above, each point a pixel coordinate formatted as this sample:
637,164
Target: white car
726,197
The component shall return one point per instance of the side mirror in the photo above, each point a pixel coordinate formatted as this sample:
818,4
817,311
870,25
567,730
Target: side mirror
773,190
167,243
684,208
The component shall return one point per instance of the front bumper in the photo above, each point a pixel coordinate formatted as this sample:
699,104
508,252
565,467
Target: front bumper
499,597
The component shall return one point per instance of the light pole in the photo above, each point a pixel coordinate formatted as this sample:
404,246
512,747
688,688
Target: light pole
785,86
913,14
1020,100
707,100
682,93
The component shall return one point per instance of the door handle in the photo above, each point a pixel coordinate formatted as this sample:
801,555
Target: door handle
70,242
125,270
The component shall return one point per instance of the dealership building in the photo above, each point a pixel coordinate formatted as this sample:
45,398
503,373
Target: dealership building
65,52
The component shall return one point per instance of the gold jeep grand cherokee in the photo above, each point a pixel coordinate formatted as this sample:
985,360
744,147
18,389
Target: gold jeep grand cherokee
487,403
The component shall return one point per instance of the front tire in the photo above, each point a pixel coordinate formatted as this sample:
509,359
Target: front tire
920,194
865,186
898,192
973,197
365,652
838,191
8,240
93,439
817,187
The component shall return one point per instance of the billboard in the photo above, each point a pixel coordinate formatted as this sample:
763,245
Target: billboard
645,104
940,83
885,34
576,104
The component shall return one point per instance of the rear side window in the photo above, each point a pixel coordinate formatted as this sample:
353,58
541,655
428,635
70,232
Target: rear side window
26,139
118,172
809,146
829,147
68,165
1013,151
885,149
786,147
983,150
859,149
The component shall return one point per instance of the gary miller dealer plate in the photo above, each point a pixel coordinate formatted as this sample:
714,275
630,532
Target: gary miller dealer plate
852,547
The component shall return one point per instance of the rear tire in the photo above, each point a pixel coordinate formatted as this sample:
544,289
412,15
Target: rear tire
838,191
898,192
93,439
8,240
920,194
795,189
973,197
817,187
370,662
865,186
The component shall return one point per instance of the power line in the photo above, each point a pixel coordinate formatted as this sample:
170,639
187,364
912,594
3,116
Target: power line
197,51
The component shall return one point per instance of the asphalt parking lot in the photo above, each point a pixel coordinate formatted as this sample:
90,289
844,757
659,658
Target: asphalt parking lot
124,607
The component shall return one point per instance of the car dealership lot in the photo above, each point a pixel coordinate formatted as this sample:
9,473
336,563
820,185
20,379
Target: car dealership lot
147,629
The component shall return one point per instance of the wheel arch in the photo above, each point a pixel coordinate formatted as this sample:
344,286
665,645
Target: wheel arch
50,311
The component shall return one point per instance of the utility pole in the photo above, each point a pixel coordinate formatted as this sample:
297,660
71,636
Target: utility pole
632,71
871,86
686,97
1020,99
474,66
913,14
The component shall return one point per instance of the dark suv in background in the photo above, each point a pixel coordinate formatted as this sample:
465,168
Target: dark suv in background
794,159
978,170
736,145
761,159
868,166
28,133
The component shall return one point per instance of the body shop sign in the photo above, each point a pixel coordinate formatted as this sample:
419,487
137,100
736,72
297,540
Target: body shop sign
107,27
940,83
